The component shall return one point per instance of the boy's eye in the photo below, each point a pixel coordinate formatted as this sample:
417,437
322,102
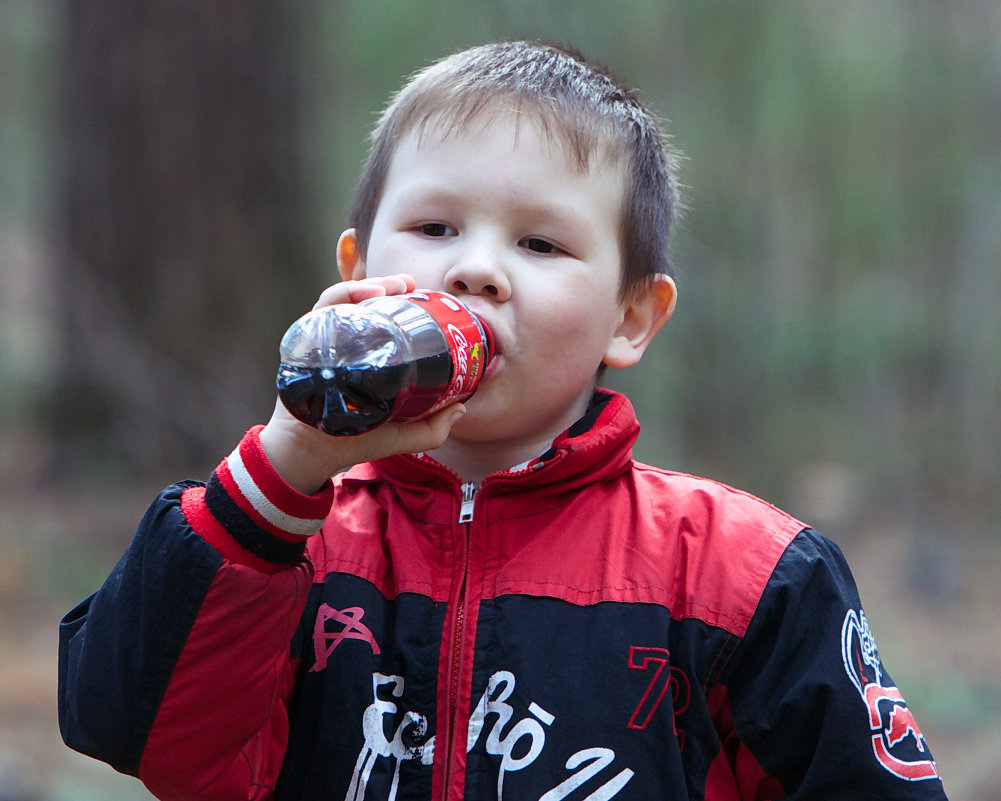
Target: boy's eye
538,245
436,229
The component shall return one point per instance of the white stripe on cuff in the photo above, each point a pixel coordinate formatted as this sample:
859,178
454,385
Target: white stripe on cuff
302,526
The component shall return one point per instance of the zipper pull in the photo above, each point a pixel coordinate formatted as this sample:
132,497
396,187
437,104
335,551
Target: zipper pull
468,500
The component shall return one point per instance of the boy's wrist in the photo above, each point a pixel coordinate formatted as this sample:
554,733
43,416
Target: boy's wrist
302,456
250,514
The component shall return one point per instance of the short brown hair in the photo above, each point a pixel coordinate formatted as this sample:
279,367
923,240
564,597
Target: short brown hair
581,103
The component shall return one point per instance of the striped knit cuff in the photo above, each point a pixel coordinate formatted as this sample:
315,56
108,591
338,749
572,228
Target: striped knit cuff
248,513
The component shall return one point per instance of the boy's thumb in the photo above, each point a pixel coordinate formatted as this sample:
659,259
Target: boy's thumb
431,433
456,414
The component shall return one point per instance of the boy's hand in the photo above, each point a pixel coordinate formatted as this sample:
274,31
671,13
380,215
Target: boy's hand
305,457
357,291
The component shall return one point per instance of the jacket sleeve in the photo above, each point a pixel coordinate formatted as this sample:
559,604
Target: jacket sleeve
177,670
810,700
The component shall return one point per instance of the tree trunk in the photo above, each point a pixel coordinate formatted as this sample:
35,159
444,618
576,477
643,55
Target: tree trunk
184,235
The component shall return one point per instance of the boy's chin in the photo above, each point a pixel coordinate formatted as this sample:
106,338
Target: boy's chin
484,422
473,424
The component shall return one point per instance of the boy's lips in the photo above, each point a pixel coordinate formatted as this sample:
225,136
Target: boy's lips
496,349
492,366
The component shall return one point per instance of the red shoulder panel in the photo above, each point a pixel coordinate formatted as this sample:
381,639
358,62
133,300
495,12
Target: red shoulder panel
697,547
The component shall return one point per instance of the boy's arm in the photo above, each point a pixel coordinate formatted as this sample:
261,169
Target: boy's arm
177,670
807,700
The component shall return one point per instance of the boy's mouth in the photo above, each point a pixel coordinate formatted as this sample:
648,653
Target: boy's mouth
495,350
492,366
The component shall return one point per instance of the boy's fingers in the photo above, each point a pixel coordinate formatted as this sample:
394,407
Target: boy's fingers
305,457
421,435
439,426
357,291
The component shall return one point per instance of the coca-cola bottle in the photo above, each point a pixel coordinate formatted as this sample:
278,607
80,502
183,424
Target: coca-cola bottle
348,368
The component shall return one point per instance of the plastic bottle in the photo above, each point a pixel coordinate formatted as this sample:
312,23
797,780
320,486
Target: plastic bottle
348,368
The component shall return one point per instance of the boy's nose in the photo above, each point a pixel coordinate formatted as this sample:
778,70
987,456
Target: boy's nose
478,274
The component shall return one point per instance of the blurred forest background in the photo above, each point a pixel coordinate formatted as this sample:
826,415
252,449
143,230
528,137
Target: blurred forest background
173,174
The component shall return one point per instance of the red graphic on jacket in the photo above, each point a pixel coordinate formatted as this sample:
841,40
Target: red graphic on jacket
324,642
897,742
902,726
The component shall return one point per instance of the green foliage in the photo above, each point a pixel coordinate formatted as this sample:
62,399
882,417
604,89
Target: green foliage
838,259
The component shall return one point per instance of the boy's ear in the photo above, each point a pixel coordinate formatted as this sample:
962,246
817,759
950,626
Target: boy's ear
642,317
350,264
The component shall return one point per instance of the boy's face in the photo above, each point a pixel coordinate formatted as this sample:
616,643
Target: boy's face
498,216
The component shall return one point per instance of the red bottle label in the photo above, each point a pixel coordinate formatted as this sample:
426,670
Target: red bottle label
466,343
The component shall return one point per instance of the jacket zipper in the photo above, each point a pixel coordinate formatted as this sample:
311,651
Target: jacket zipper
468,502
458,630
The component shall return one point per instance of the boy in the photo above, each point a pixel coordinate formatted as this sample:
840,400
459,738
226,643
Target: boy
500,603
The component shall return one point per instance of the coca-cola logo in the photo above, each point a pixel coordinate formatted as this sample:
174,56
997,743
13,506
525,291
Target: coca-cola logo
461,349
464,344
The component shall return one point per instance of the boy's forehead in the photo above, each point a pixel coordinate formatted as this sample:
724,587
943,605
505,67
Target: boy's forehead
581,147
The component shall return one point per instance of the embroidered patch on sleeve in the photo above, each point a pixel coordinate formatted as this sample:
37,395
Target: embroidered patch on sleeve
897,742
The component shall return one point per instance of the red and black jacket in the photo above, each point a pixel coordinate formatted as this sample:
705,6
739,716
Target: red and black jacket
585,627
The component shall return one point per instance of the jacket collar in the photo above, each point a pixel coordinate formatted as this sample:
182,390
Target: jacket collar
596,447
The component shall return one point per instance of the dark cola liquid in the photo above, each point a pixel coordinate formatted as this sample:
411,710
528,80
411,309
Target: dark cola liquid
348,400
